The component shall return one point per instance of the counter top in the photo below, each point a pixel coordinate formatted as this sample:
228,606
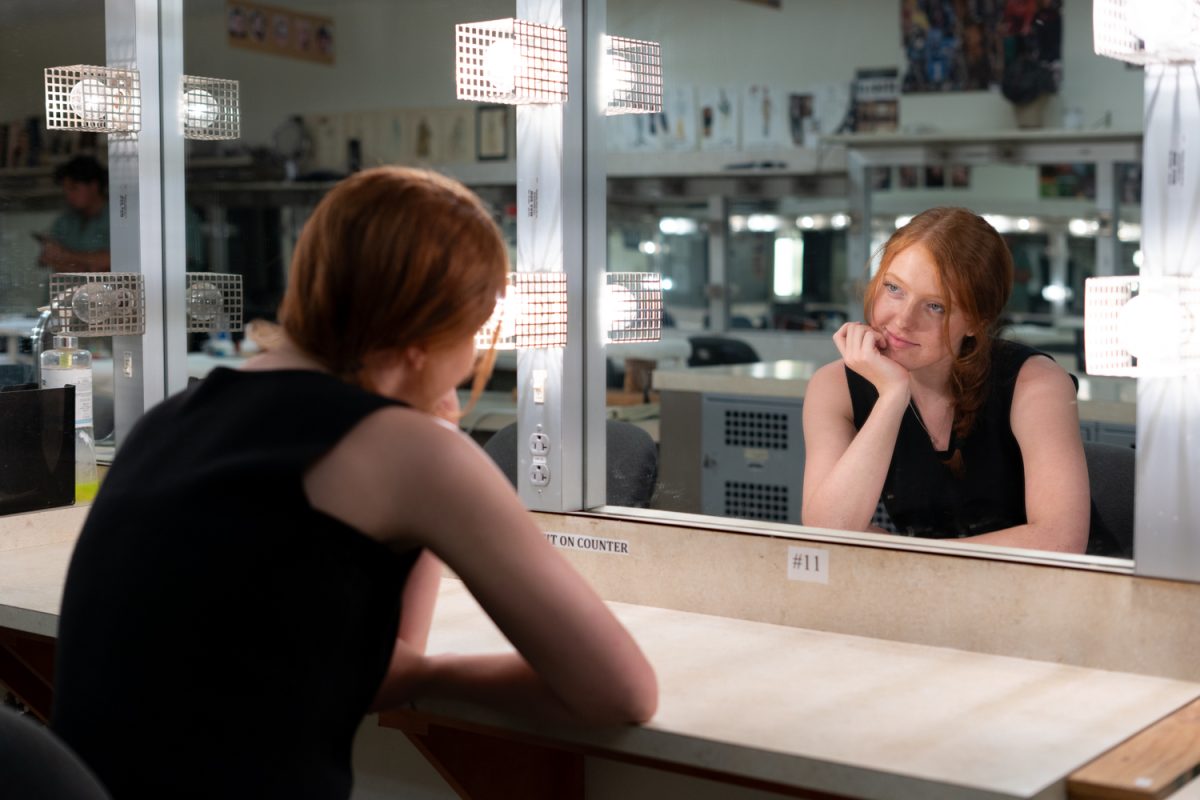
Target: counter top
847,714
824,711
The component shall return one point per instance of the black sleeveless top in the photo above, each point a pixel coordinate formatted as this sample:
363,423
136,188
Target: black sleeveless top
921,494
219,636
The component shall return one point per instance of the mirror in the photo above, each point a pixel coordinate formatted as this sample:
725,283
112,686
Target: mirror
54,213
747,221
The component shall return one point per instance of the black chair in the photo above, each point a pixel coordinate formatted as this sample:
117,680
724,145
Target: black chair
632,461
710,350
1110,476
36,765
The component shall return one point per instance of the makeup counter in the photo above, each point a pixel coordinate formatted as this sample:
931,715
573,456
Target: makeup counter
775,680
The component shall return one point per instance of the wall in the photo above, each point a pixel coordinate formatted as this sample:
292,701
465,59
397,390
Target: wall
401,54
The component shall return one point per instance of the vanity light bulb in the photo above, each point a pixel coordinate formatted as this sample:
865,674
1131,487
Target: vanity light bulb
617,77
204,301
620,308
201,108
1151,326
500,64
89,99
93,303
1163,27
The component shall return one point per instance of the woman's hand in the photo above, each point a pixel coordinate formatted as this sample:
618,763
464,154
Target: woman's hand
862,348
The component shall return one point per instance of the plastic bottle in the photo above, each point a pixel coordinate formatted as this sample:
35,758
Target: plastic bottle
69,364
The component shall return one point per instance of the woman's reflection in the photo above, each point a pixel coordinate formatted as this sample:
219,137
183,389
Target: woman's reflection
931,418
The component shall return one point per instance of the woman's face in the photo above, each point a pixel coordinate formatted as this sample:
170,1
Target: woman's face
910,311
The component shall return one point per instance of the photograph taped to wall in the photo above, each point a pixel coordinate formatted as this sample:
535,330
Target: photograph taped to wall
765,120
280,31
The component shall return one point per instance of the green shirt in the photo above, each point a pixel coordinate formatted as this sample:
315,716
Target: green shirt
82,234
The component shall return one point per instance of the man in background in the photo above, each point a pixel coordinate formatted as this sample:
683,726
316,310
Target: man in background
79,239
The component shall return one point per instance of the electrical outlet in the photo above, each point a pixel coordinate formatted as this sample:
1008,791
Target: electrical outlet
539,473
539,444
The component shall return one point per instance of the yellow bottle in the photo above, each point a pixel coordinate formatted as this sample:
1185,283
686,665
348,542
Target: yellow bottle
69,364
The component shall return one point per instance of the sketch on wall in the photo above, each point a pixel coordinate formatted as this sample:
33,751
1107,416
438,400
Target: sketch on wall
718,118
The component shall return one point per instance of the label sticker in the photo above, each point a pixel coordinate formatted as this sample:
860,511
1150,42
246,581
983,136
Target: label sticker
808,564
595,544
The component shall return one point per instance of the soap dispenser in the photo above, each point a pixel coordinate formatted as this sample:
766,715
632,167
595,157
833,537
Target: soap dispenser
69,364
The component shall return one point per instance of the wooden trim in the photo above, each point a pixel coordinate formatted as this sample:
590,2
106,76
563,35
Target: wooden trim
1151,764
27,668
522,751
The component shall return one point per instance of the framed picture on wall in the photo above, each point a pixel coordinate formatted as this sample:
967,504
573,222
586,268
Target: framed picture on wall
491,133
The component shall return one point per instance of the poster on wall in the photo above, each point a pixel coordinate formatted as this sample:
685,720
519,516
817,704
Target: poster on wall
1015,45
765,120
280,31
718,118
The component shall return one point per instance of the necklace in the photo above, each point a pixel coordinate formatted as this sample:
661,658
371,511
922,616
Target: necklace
921,422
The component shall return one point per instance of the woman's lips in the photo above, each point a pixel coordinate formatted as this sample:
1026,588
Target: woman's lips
895,342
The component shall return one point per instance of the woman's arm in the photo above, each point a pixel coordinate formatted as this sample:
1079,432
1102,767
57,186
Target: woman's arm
844,468
402,477
1045,421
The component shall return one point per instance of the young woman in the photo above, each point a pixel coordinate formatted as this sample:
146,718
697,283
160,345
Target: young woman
957,432
260,566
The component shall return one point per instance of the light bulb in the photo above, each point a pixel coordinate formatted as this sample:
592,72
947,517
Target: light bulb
204,301
201,108
93,303
839,221
1153,326
89,99
807,222
617,77
500,63
1163,26
620,308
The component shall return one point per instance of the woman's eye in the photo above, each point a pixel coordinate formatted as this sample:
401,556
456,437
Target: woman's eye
937,308
891,287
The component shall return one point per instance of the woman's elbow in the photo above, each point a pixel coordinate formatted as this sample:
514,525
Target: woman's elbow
619,702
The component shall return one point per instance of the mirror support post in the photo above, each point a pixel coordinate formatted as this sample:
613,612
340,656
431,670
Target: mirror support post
135,209
1167,508
550,238
174,203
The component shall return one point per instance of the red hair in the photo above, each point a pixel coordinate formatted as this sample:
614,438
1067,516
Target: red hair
975,275
391,257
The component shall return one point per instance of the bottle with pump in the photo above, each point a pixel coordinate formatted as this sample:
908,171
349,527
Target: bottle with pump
69,364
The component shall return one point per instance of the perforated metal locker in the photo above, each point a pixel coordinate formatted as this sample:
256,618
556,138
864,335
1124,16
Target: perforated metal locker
752,452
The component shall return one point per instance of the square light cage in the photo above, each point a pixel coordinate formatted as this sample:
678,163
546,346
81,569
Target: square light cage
532,315
1147,31
1142,326
633,306
98,99
633,76
511,61
210,108
214,302
98,303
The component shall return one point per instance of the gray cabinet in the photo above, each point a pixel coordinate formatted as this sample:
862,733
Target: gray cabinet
752,457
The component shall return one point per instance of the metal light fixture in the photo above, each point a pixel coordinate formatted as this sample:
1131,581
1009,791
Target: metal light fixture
1147,31
210,108
633,306
532,314
1142,326
511,61
214,302
98,303
97,99
632,76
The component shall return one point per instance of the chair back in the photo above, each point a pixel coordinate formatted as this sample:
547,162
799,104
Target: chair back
1111,471
631,473
711,350
36,764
